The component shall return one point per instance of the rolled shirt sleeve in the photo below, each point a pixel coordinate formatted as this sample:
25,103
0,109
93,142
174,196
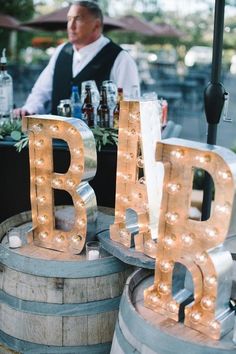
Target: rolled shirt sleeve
125,73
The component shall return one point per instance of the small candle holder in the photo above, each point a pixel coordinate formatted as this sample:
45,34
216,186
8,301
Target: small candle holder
14,238
93,250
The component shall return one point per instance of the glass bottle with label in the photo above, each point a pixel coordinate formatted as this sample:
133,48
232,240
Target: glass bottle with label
6,90
87,107
75,103
103,113
116,112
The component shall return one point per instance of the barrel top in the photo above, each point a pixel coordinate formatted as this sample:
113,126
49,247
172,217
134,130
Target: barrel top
46,262
126,255
159,332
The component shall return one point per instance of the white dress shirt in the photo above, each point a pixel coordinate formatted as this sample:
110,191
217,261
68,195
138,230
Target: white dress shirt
124,73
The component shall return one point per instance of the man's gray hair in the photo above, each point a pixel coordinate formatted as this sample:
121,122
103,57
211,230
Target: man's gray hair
92,7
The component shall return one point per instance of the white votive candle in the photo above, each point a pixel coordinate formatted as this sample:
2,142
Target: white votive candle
93,250
14,241
93,254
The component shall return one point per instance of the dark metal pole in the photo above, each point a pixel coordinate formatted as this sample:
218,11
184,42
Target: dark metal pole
214,97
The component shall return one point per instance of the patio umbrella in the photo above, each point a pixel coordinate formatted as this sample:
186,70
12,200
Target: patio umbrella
138,25
214,98
57,21
9,22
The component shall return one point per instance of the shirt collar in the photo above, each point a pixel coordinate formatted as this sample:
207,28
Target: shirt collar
79,54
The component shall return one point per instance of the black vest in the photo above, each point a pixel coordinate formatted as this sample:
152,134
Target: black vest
97,69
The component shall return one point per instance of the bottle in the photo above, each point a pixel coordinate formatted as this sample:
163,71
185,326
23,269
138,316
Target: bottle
87,107
116,112
6,90
103,113
75,103
134,92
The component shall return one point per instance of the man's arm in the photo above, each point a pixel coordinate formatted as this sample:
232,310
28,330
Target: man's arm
125,73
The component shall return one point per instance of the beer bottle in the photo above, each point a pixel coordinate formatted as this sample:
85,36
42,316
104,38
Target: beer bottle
103,110
116,112
87,107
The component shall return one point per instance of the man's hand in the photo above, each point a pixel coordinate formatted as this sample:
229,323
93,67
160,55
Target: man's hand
20,113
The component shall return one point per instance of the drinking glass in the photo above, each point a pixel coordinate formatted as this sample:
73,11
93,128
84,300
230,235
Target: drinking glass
94,92
93,250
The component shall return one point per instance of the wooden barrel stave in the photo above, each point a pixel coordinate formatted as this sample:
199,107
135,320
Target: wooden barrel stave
50,303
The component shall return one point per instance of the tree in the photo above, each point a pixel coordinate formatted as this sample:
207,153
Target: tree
20,9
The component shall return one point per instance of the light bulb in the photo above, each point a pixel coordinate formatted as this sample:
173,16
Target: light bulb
207,302
39,143
210,281
60,238
148,245
79,203
166,266
78,152
72,130
211,233
224,209
169,241
42,219
140,162
43,235
142,180
173,188
133,117
124,199
76,239
214,326
173,307
187,239
81,222
70,183
37,128
201,257
54,128
41,199
57,182
132,132
77,168
39,162
171,217
40,180
164,288
177,154
203,159
195,316
225,176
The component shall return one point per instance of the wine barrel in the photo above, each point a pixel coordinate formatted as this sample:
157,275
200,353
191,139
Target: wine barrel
51,302
141,330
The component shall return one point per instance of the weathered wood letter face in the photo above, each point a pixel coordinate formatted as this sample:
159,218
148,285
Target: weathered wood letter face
139,176
42,130
195,244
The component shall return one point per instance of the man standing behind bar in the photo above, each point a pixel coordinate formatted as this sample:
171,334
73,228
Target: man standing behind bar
87,56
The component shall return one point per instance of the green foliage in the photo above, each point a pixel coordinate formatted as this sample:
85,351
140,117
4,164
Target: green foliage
105,136
20,9
11,129
102,136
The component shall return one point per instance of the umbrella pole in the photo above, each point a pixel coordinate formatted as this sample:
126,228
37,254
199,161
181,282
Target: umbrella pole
214,98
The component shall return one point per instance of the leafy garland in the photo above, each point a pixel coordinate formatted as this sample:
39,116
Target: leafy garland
12,129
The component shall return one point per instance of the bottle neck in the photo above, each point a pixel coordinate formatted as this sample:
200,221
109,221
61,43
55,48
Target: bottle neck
3,67
103,97
88,98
